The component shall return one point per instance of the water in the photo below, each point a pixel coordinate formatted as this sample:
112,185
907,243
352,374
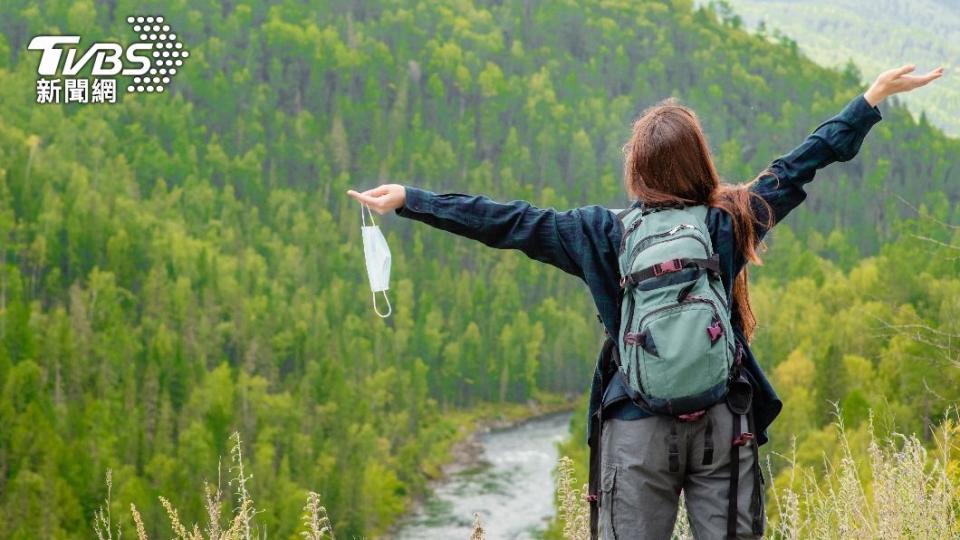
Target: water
509,483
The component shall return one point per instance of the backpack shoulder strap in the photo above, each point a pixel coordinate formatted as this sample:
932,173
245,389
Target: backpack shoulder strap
700,211
622,213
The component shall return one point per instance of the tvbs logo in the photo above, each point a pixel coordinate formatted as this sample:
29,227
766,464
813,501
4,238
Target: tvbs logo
152,62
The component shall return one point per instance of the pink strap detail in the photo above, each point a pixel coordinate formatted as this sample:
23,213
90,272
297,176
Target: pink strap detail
672,265
743,439
692,417
714,331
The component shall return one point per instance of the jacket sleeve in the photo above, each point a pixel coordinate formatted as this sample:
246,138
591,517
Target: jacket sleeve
837,139
546,235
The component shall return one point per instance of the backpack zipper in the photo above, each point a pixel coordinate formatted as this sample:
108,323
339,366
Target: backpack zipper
633,226
633,308
671,232
722,297
637,249
716,309
680,226
689,300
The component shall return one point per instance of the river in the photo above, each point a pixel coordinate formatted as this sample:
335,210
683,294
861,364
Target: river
507,480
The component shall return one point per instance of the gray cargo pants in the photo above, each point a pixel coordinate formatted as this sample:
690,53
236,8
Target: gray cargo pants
639,495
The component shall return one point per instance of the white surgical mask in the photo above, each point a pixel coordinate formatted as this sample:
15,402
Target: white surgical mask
377,254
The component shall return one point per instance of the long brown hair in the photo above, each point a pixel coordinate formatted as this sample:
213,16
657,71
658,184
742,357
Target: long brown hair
668,162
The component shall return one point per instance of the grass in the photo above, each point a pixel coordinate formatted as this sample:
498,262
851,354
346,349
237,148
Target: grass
316,524
902,490
241,525
899,490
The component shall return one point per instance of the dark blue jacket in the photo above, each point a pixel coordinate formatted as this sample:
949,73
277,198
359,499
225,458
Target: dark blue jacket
584,241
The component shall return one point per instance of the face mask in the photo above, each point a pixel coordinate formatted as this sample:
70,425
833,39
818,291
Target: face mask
377,255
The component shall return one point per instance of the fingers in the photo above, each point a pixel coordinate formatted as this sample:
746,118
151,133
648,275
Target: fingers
934,74
905,69
917,81
377,199
378,191
363,197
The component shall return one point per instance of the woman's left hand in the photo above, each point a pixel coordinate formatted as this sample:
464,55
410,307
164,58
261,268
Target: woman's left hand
382,199
898,80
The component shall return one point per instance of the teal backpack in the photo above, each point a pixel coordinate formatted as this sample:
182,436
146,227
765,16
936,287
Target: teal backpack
676,346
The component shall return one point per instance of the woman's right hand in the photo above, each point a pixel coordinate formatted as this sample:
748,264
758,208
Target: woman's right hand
898,80
382,199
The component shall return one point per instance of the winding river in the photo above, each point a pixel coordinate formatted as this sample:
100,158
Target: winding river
507,479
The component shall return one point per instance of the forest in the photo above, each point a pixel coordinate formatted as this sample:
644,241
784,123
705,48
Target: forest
178,267
925,31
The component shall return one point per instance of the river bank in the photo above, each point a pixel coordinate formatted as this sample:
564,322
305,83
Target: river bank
500,465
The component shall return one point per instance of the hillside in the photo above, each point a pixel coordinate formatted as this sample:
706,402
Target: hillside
874,35
179,266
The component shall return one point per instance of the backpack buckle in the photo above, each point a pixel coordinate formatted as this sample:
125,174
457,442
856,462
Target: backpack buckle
666,267
743,439
634,338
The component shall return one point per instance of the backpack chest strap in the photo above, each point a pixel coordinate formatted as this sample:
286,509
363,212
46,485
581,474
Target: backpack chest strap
673,265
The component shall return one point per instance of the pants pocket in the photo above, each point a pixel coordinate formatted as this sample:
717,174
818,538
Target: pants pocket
608,494
758,510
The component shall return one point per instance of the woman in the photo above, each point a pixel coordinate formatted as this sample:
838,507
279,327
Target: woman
667,163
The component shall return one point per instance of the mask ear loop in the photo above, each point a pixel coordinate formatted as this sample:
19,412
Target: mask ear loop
389,308
363,217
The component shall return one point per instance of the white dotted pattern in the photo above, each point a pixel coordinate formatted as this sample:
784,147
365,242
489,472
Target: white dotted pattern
167,51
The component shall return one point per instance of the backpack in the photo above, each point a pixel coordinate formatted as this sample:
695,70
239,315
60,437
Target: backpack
675,350
676,347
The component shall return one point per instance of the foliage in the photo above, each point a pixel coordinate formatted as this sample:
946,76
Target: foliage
842,33
316,524
881,335
571,512
893,488
181,266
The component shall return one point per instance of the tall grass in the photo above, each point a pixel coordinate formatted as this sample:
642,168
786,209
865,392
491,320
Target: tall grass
241,524
901,491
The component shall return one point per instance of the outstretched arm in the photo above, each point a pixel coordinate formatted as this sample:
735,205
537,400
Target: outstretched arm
546,235
837,139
